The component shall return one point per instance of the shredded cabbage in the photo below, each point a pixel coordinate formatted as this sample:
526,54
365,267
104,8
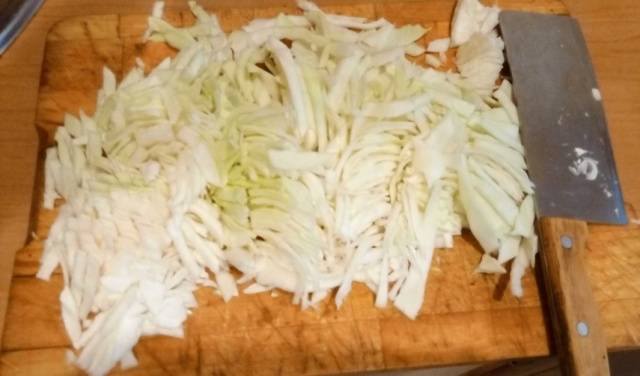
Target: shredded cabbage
305,166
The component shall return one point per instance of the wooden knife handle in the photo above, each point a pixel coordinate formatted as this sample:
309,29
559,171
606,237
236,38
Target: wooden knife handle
576,327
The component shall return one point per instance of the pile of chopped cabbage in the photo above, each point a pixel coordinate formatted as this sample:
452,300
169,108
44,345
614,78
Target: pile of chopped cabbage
305,151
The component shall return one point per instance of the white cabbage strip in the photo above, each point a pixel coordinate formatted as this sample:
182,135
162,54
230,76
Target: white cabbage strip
306,165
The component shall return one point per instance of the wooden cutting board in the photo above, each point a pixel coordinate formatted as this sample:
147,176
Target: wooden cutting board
465,318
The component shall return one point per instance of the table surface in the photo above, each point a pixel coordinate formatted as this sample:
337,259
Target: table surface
612,30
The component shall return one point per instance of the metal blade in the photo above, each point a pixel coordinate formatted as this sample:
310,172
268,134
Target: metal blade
561,118
14,16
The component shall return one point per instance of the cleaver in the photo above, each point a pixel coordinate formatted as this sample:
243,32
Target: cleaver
570,161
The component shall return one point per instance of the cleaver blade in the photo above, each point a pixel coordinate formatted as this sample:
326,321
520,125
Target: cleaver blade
563,119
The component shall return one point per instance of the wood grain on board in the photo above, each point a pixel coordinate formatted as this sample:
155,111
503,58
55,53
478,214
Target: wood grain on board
465,318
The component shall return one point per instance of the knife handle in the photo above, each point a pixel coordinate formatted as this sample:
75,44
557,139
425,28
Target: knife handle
576,327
